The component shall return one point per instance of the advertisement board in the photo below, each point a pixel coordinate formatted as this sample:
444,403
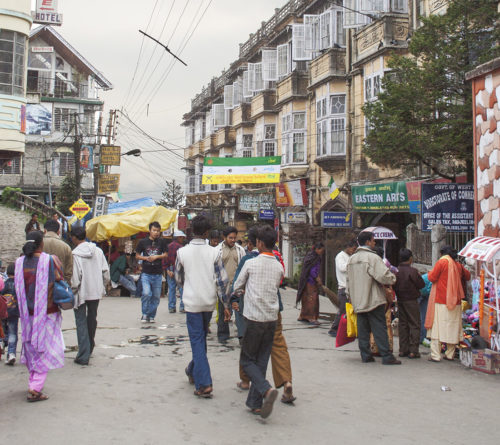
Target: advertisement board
266,214
110,155
296,217
388,197
292,193
86,158
109,183
253,202
336,219
38,119
451,205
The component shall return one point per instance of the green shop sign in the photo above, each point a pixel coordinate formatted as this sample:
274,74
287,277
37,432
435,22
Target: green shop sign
390,197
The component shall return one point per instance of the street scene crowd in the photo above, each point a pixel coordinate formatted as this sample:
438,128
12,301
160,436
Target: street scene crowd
223,276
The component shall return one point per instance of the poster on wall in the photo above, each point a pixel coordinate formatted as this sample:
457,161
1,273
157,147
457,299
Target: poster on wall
451,205
38,119
292,193
86,158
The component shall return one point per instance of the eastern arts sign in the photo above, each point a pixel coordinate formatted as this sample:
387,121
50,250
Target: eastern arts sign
451,205
389,197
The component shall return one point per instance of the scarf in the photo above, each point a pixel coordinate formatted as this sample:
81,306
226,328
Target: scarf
454,292
310,260
33,331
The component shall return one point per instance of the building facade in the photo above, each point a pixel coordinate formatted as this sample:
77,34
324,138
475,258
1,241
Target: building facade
63,104
297,91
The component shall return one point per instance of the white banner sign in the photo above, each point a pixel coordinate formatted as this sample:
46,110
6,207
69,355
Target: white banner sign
42,49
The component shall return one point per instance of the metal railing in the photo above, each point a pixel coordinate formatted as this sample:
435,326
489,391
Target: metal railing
27,203
57,87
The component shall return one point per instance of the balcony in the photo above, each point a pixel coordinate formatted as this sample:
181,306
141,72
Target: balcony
388,32
58,88
208,144
263,103
225,137
292,87
329,65
331,163
241,115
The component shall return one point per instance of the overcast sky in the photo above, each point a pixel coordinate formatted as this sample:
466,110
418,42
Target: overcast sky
106,34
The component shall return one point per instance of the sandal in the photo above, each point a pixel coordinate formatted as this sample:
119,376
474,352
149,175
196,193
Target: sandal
189,376
267,405
205,392
288,396
35,396
430,359
414,355
255,411
242,386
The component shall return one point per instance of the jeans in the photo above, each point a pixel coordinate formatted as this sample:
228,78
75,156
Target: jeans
128,283
422,302
10,328
373,321
86,325
198,368
409,326
342,301
172,286
222,326
151,292
254,358
239,319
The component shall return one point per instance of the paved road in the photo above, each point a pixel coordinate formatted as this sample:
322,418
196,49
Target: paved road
135,392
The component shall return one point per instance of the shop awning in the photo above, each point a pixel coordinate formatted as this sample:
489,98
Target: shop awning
482,248
119,225
381,232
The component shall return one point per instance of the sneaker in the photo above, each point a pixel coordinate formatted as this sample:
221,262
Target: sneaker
10,360
151,320
172,310
144,319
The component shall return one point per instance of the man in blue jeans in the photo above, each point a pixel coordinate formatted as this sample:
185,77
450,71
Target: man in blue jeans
173,247
196,266
151,251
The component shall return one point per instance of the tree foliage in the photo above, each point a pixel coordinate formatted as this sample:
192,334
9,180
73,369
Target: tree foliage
173,196
424,113
66,195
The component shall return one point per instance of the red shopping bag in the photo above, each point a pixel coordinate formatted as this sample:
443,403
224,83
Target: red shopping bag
342,338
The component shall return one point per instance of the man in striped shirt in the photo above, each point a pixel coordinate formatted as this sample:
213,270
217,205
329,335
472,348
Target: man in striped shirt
260,278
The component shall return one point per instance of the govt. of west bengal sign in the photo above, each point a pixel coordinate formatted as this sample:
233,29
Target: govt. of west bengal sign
388,197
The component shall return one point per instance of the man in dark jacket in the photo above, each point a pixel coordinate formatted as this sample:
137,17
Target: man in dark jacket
407,288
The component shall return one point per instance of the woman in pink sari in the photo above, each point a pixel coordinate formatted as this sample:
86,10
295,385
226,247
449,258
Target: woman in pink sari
42,340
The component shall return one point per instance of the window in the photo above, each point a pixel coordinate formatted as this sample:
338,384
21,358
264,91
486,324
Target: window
228,97
283,56
298,154
321,108
12,49
269,65
299,121
293,142
299,51
266,147
199,130
218,116
191,184
286,123
87,124
237,92
269,148
247,145
321,138
189,135
312,32
337,104
62,118
325,30
10,166
352,18
269,131
247,92
373,85
340,37
337,136
259,81
63,164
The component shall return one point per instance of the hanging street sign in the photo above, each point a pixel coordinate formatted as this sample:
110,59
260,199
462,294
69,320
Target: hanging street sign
336,219
108,183
79,208
110,155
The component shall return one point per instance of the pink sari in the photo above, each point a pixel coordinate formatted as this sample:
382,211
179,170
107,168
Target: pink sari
42,340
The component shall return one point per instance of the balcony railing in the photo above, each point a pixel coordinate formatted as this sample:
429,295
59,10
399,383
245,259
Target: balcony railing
57,87
292,86
328,65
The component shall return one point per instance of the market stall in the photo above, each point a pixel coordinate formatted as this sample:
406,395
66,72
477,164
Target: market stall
485,251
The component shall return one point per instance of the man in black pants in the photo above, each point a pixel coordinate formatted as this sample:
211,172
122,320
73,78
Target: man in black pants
260,277
366,277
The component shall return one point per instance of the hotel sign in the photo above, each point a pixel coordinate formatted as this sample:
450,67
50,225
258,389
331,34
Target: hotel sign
46,13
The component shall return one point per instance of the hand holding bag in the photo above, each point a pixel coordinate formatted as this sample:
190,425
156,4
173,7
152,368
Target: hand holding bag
342,338
62,293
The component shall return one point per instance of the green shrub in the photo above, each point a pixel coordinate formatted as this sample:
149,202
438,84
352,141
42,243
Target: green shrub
8,196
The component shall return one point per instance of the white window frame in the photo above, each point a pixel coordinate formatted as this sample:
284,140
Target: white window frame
218,116
325,30
337,122
290,132
322,107
354,19
269,65
311,32
260,85
237,92
246,91
247,146
14,168
283,60
228,97
299,52
62,163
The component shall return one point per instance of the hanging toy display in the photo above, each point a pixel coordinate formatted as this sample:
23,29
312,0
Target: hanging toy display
481,294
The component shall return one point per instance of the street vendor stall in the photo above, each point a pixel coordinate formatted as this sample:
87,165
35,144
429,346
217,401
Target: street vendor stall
485,251
124,224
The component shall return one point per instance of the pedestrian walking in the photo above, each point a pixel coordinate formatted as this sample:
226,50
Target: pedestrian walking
173,247
407,288
90,277
308,292
10,324
42,340
53,245
200,272
231,253
120,276
260,278
280,358
151,250
423,300
33,224
444,311
341,271
366,276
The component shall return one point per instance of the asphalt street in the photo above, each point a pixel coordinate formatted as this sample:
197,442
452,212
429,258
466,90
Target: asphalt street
135,392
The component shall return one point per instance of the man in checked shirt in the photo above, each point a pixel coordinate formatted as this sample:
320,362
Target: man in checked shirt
260,278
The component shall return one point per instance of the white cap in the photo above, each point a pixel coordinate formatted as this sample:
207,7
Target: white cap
179,233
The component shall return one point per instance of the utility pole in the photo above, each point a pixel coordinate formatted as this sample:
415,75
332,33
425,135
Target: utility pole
97,154
76,154
46,162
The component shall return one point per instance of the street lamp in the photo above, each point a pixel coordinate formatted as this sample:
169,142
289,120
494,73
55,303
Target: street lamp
134,152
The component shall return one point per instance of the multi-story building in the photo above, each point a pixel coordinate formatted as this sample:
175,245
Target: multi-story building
15,24
63,102
297,91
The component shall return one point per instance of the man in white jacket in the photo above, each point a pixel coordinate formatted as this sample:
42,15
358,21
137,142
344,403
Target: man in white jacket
200,272
90,276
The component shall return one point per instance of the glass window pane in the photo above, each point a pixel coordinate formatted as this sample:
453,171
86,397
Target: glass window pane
337,104
337,136
299,121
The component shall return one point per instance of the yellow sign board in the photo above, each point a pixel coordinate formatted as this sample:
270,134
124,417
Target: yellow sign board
79,208
110,155
109,183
